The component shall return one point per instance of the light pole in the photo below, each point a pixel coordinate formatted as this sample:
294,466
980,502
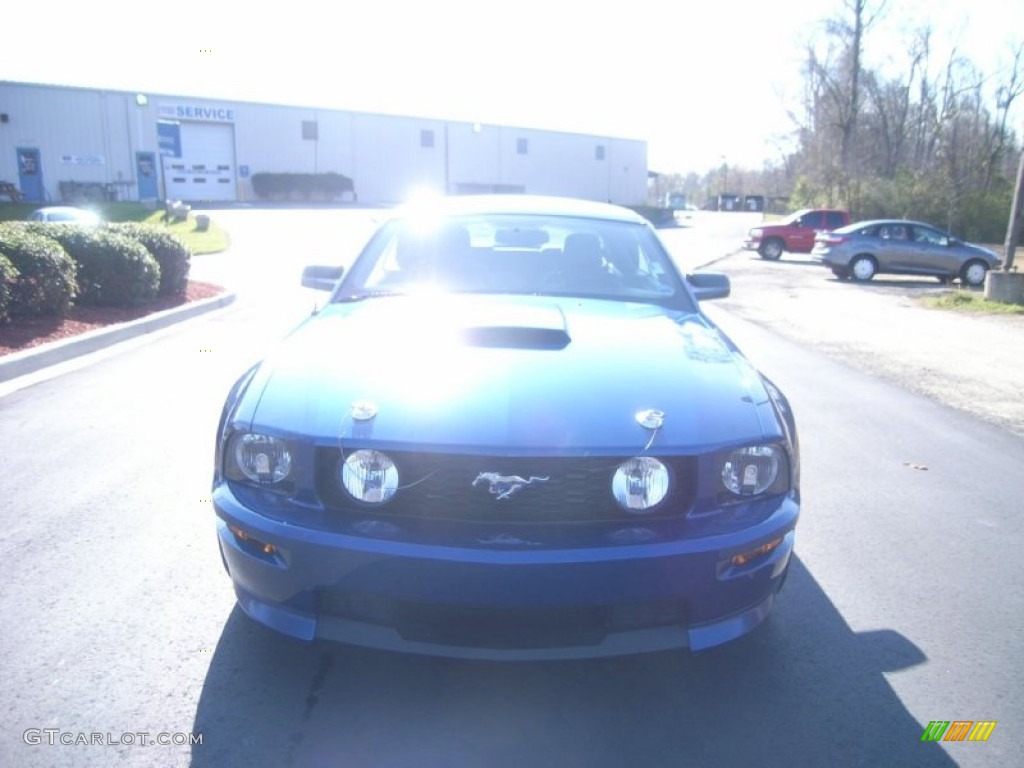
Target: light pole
447,181
725,183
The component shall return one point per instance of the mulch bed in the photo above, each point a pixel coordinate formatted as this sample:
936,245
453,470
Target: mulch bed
26,332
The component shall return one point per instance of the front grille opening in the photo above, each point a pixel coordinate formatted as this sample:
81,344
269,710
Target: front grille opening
503,626
557,489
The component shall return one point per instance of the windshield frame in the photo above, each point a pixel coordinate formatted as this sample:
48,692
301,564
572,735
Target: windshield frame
497,239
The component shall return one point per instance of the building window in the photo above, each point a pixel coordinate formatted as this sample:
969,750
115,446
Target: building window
522,146
309,130
599,152
427,138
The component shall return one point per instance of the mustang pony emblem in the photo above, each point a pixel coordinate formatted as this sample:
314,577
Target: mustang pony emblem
503,486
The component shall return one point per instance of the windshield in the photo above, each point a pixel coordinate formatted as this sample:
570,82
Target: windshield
516,254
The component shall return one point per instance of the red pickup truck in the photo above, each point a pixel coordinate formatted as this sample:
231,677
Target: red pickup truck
794,234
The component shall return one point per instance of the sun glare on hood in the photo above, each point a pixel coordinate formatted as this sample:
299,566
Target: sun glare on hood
417,356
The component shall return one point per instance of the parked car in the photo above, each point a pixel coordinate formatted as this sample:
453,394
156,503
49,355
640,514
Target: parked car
901,247
64,213
510,432
687,215
794,234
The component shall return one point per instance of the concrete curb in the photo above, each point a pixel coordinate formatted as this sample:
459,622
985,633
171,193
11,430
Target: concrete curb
31,360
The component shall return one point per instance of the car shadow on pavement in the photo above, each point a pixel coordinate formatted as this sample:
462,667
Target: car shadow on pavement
792,260
803,689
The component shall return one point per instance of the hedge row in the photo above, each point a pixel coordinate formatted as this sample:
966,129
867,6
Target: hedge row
303,186
43,282
113,270
169,251
44,267
659,217
7,276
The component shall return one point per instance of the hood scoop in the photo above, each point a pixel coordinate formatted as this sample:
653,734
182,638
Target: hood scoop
516,327
515,337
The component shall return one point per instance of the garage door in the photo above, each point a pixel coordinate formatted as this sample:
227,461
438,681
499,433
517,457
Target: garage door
206,168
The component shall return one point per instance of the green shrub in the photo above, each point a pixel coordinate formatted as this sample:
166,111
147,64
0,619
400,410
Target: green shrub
45,282
113,269
8,274
659,217
169,250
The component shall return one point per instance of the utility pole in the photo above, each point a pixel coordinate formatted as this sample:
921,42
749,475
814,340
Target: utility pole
447,179
1016,213
1007,285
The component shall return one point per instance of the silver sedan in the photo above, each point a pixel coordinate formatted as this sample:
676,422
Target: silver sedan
897,246
65,213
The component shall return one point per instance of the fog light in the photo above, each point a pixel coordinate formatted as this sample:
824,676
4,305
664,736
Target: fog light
640,484
369,476
764,549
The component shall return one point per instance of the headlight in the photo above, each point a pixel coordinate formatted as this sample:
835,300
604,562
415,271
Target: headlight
369,476
755,469
261,458
755,233
640,484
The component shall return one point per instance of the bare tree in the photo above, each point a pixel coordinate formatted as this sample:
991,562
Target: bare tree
936,143
837,69
1007,93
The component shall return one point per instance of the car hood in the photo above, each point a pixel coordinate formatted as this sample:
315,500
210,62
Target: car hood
991,256
509,375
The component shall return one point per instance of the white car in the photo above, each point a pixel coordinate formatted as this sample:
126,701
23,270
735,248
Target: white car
65,213
685,216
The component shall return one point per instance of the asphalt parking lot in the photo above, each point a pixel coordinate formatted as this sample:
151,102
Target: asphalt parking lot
972,362
903,606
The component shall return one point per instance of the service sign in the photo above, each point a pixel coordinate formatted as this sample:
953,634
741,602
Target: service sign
210,113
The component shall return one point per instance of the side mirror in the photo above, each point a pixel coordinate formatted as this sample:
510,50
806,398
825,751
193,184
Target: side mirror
708,285
321,278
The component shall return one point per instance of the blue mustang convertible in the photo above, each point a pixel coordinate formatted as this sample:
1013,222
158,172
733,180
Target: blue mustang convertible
510,433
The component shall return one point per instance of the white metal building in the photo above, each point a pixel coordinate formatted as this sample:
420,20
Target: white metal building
150,146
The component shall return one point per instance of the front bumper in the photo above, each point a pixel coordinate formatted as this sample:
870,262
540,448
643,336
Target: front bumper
750,244
514,602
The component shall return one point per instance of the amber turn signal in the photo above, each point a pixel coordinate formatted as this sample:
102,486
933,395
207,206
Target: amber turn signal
764,549
267,549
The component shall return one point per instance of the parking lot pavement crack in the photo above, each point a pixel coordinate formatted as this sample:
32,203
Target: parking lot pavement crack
322,673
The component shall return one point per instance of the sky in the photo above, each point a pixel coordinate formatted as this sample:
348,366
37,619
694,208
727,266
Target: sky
702,83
